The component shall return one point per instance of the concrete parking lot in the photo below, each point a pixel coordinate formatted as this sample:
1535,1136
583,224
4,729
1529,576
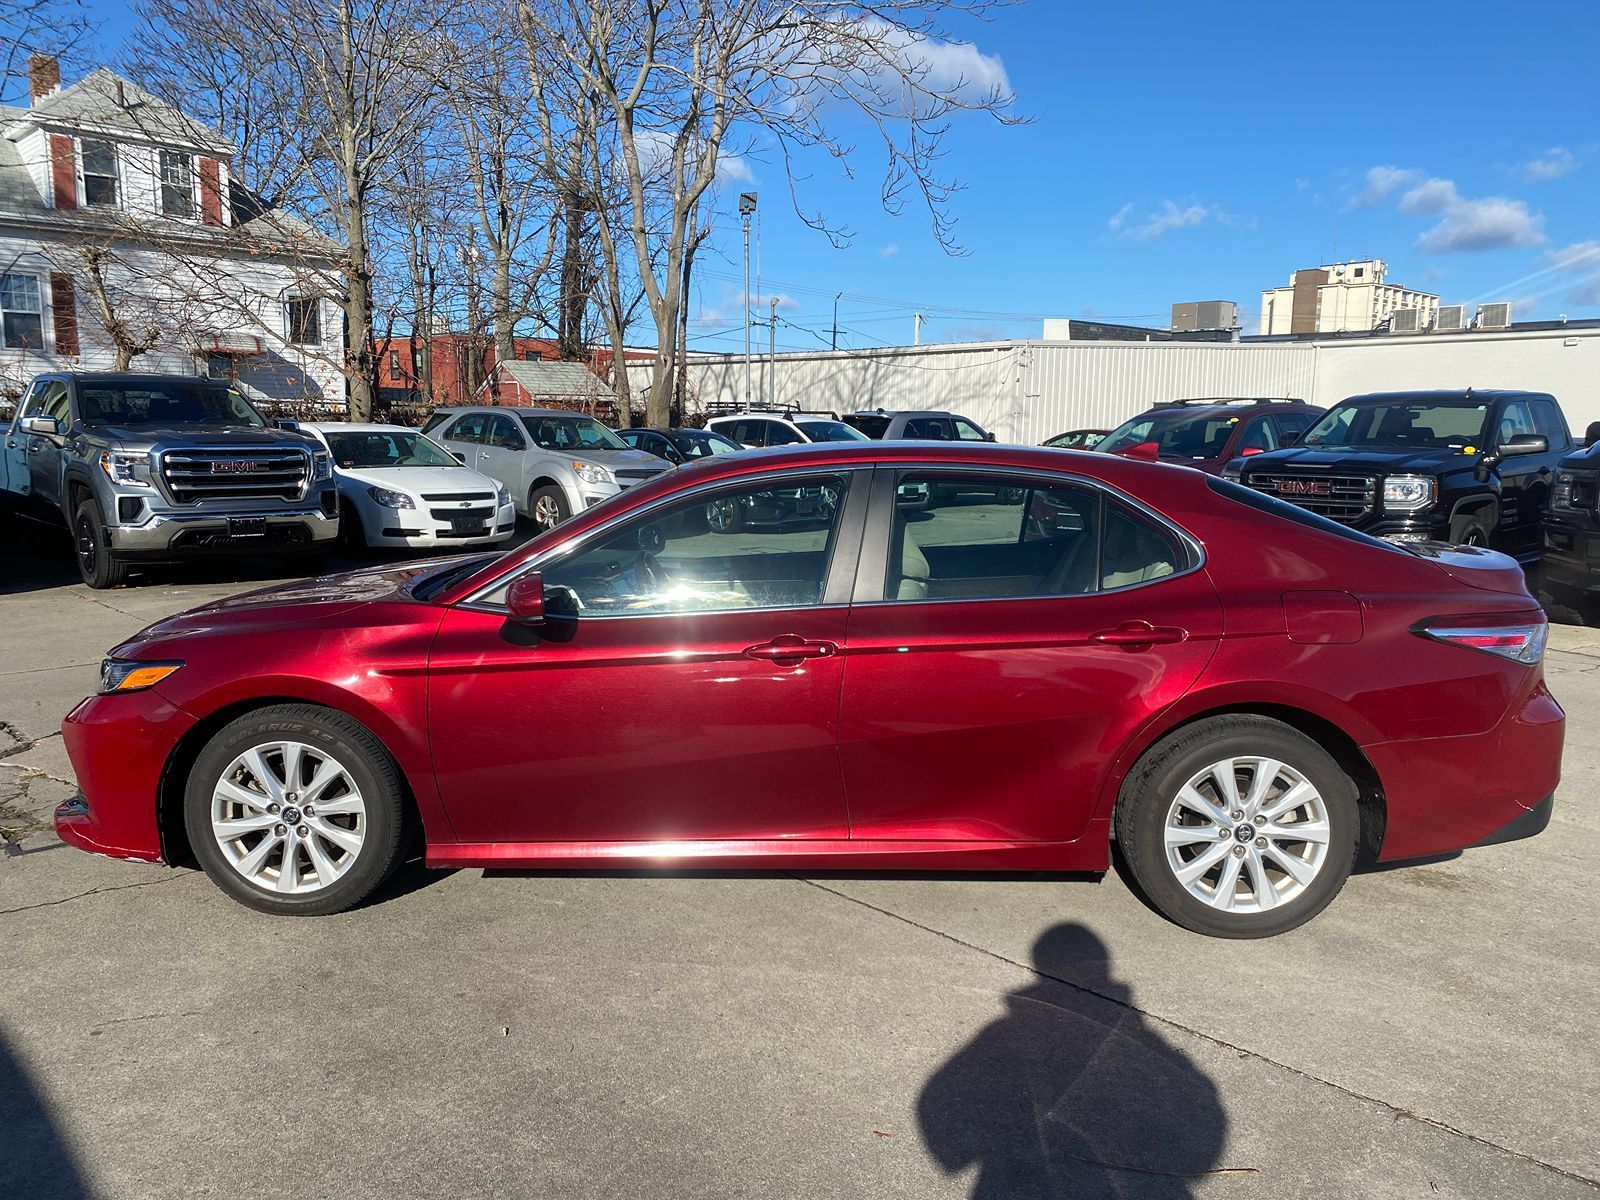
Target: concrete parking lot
551,1035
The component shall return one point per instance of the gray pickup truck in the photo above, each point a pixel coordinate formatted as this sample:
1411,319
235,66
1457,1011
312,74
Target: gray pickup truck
157,468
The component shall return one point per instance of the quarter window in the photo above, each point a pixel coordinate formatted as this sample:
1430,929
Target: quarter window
750,547
304,320
966,431
99,173
21,312
177,184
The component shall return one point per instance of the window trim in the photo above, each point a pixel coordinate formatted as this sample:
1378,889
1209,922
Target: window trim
838,580
872,569
36,313
84,173
289,301
163,184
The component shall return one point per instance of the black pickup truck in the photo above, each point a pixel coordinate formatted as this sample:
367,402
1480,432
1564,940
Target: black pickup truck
1468,467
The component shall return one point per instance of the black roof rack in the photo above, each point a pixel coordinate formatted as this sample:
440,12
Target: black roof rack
732,408
1206,401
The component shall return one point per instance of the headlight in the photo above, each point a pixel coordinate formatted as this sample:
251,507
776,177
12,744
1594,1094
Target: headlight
321,467
1408,493
1232,474
388,499
130,469
1561,492
591,472
124,675
502,494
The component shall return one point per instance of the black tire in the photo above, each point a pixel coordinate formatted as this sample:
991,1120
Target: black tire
327,732
551,500
352,535
95,564
725,515
1153,785
1469,531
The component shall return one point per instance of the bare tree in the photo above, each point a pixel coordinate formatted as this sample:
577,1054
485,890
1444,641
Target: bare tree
28,27
684,82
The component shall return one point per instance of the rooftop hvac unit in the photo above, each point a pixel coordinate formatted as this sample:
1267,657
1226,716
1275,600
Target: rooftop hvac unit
1494,316
1452,318
1407,320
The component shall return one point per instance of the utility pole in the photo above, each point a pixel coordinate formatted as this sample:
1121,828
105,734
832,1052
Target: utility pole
835,344
747,206
916,336
772,351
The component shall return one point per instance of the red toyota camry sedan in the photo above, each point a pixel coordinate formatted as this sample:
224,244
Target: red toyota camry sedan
878,656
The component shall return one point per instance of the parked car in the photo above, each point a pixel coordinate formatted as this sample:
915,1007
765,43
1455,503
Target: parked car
787,427
1077,439
919,425
1469,467
155,468
553,462
1210,433
1238,690
398,488
679,445
1569,571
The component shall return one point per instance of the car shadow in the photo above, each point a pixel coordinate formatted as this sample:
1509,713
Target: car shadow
37,1162
1072,1093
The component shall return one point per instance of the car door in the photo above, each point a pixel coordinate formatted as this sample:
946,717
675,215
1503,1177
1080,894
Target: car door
685,685
18,479
1003,646
501,454
44,453
463,437
1524,483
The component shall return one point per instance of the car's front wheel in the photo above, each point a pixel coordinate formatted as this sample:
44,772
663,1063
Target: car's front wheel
295,809
95,565
1238,826
548,507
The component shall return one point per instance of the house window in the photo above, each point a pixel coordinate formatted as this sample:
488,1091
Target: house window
177,184
305,321
99,173
21,312
394,364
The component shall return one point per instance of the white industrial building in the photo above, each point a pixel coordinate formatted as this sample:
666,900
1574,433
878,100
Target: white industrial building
117,210
1347,297
1026,391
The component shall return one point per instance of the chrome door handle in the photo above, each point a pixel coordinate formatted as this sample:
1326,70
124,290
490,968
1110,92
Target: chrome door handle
1140,633
789,646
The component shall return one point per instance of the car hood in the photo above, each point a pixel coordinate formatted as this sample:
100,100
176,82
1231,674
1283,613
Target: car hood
1394,461
612,459
419,479
302,604
203,436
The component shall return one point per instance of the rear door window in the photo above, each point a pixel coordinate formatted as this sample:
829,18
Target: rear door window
1547,420
468,429
779,434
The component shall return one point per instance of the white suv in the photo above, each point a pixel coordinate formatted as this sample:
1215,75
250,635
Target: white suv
553,461
785,428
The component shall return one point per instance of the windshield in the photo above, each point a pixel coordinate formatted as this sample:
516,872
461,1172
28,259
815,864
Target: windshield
1187,435
1435,424
164,402
702,443
387,448
571,433
830,431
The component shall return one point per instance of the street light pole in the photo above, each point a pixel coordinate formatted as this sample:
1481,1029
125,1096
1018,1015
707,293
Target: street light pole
772,352
835,344
916,336
747,206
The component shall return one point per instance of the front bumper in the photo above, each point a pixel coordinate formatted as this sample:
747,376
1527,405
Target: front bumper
163,535
119,747
1571,555
422,527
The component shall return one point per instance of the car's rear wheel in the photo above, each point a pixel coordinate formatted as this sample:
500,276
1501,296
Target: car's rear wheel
95,564
295,809
548,507
1238,827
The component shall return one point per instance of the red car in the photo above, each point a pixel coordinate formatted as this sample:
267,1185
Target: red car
1210,433
1063,651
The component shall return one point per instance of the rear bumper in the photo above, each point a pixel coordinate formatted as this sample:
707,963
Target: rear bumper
1446,794
119,747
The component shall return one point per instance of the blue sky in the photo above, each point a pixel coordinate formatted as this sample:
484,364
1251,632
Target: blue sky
1187,152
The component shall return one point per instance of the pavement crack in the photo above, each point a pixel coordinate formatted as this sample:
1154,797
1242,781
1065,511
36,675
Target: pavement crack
155,1016
21,742
96,891
1394,1109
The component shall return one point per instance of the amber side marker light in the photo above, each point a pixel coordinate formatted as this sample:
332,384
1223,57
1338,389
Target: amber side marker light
120,675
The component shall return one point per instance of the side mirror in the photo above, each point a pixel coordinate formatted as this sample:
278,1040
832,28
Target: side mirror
43,426
459,457
1523,443
288,423
525,599
988,437
519,447
1249,450
1148,451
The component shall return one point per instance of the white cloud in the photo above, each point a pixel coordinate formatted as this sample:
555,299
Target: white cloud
1492,223
1435,196
954,67
1383,182
655,158
1172,217
734,168
889,251
1552,164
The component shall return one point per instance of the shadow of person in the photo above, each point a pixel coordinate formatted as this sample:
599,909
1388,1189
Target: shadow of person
1071,1093
36,1163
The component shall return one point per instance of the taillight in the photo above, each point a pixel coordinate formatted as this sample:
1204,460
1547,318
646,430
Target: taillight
1522,642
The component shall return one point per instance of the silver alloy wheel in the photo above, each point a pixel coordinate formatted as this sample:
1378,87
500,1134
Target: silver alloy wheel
1247,835
546,512
288,817
722,515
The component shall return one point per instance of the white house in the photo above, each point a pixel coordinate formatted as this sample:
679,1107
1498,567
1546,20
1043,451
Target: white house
121,224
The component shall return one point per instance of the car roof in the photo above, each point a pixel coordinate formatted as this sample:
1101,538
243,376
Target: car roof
904,412
355,427
133,377
453,409
1446,395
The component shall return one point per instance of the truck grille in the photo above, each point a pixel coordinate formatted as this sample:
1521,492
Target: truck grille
239,474
458,496
1343,498
632,475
